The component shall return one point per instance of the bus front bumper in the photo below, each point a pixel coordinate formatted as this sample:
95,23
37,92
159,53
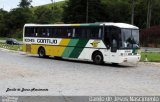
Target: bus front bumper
131,59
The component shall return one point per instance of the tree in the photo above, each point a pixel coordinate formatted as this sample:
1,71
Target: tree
3,28
43,15
132,12
155,19
57,14
117,11
81,11
25,3
149,12
16,19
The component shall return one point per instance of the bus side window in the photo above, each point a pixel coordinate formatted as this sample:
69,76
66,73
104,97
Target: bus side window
31,32
95,33
40,33
61,32
65,32
107,37
54,33
73,35
88,32
43,32
83,33
100,33
36,32
77,32
57,34
48,32
115,33
69,32
26,32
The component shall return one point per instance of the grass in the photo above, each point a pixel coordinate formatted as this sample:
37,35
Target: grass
11,47
3,38
151,56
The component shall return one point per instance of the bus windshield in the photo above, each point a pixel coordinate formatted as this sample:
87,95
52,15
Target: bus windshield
130,38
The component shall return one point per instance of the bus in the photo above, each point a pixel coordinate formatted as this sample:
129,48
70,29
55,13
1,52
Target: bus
98,42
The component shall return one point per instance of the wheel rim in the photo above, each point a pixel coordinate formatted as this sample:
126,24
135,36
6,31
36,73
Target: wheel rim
98,58
41,52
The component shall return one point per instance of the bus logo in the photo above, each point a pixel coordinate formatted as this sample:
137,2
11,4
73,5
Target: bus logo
95,43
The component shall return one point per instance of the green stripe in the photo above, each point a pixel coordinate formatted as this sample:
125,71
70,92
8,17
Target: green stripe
90,24
68,50
79,48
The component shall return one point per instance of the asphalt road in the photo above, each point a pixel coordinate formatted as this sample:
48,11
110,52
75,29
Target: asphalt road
28,75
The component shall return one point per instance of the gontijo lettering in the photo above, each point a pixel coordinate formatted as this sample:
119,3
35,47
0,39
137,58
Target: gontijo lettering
41,41
47,41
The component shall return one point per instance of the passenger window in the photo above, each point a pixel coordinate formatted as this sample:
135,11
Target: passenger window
107,37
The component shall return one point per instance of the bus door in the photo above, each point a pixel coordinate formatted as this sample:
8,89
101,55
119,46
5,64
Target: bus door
107,41
114,42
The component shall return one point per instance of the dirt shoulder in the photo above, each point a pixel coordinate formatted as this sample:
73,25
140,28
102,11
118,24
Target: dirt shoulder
150,63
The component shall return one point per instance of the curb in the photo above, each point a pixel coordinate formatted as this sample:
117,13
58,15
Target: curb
150,63
7,50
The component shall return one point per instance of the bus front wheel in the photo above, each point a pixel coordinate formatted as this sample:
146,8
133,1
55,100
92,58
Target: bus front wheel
41,52
98,58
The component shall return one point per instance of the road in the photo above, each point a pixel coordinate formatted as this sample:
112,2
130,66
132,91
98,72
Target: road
20,71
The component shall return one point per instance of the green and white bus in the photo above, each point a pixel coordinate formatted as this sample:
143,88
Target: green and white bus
97,42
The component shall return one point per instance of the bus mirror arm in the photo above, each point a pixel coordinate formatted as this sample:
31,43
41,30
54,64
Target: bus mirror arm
108,47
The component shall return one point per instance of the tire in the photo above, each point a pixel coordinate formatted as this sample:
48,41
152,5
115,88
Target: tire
57,58
98,58
41,52
115,64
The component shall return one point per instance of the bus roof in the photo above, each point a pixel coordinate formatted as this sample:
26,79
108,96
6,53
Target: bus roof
120,25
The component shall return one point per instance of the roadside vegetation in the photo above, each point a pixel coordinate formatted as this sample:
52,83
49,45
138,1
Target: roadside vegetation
4,38
151,56
11,47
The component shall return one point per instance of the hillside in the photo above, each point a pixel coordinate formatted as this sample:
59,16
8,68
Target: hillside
56,4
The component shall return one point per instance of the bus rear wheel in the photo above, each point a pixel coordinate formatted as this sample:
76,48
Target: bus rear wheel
57,57
98,58
41,52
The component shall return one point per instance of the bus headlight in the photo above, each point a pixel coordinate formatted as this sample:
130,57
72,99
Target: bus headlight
122,54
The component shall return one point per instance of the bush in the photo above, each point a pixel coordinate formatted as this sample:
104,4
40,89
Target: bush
150,37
